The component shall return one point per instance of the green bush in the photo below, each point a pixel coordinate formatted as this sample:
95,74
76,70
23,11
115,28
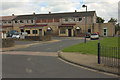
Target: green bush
9,42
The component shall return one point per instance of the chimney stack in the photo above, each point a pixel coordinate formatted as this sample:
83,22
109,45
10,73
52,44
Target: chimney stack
13,15
49,12
33,13
75,10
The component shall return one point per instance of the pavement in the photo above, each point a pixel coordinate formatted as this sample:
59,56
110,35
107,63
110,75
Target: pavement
87,60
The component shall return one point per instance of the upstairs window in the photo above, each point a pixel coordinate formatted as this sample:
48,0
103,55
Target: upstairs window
16,21
72,19
9,22
65,20
4,22
31,21
21,21
79,19
27,21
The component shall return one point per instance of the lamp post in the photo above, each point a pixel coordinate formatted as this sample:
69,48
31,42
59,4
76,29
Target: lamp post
35,18
84,6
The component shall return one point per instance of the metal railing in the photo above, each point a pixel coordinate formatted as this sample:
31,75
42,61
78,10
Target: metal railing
109,56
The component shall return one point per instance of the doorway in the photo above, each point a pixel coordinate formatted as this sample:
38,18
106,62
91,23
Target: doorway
69,33
40,32
105,32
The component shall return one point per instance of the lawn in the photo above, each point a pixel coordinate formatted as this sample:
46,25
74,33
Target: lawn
91,46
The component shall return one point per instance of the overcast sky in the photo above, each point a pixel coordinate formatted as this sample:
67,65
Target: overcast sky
104,8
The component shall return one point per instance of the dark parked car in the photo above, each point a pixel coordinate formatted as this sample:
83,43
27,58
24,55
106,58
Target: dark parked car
87,35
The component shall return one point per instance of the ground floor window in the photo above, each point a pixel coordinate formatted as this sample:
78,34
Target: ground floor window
34,31
22,30
28,31
62,31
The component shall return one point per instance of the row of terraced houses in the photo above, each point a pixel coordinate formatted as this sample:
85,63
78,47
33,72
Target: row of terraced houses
61,24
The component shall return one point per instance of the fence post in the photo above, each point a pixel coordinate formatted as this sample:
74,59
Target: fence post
98,52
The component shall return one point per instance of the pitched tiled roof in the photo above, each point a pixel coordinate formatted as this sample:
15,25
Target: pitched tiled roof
7,17
56,15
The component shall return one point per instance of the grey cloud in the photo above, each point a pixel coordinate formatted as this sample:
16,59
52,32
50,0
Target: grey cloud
8,5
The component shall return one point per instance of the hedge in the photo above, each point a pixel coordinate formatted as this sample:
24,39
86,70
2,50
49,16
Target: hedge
9,42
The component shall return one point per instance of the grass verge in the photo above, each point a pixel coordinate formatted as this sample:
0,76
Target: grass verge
91,46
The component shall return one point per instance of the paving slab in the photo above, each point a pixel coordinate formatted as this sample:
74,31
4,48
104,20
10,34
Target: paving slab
87,60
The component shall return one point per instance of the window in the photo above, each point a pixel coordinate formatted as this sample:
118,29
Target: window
34,31
28,31
65,20
31,21
79,19
62,31
9,22
4,22
21,21
72,19
27,21
16,21
22,30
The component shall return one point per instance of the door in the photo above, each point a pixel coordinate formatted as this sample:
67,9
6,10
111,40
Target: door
40,32
105,32
69,32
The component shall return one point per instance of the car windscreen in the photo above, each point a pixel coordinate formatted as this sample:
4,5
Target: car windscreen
16,33
94,34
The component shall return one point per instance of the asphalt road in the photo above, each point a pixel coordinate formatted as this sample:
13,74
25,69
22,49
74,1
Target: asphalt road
36,66
52,47
26,66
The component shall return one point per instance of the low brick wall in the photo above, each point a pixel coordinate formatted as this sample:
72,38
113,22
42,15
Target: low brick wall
8,42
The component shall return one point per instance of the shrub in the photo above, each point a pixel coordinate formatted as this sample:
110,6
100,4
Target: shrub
9,42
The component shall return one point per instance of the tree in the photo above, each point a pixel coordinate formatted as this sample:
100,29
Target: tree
113,20
100,20
117,28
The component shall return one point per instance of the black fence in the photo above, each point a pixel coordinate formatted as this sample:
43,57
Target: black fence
109,56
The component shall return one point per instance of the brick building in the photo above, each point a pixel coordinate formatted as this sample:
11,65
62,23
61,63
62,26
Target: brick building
62,24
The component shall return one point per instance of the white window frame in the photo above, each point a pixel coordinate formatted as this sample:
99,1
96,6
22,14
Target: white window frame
72,19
